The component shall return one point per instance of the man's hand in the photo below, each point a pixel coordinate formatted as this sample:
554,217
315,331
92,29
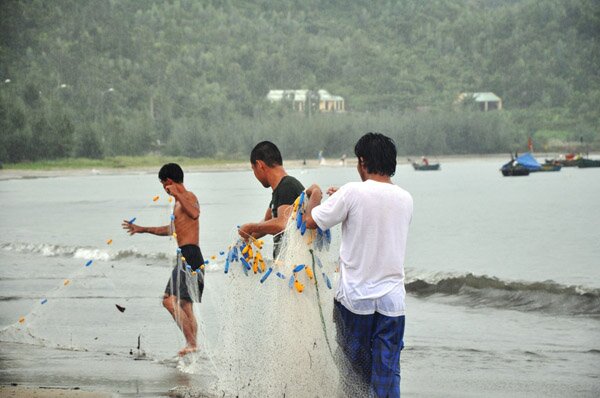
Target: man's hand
245,231
131,228
174,189
332,190
313,188
314,199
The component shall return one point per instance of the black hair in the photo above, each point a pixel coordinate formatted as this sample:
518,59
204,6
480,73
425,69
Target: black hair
267,152
378,153
172,171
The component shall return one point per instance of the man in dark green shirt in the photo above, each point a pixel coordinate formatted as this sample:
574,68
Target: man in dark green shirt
267,166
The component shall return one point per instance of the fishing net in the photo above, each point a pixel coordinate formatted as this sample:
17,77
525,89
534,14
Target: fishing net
276,332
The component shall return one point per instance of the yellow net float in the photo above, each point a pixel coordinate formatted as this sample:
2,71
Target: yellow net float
299,286
309,273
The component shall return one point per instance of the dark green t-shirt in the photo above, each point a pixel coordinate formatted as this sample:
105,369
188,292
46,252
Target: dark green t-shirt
286,193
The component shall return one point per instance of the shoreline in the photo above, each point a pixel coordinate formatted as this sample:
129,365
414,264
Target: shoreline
17,173
22,391
12,174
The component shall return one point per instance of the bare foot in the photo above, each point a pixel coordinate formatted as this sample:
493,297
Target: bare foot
186,350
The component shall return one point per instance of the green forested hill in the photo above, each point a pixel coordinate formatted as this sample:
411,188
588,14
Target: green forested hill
108,77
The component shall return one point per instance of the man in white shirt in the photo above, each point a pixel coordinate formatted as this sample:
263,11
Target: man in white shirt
369,300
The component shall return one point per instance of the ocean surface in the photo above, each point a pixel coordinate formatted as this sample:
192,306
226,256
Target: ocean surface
503,281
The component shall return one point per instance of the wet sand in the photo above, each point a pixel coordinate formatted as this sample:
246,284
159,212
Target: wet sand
48,392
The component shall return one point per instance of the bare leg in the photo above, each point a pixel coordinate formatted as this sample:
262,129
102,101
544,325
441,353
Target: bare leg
182,313
188,309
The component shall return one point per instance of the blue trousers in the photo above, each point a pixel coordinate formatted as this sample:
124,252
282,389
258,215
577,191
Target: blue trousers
370,346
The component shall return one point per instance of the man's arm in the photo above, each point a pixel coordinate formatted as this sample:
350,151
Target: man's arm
138,229
270,226
268,216
186,199
314,199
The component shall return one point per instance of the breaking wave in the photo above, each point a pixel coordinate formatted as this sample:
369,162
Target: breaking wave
88,253
547,296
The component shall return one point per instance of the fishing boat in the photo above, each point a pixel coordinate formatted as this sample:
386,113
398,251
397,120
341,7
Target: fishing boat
520,166
577,161
513,169
585,163
567,160
550,167
562,162
528,161
423,167
525,164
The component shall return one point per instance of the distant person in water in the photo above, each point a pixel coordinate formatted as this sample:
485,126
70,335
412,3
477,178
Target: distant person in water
185,286
267,166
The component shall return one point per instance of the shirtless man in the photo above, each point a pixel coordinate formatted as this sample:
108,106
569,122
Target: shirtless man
178,299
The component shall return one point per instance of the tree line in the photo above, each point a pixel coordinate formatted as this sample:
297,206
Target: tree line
106,77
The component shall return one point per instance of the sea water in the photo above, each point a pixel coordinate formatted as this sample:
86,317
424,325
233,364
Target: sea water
502,278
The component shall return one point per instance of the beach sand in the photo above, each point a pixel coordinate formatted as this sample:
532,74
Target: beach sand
48,392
